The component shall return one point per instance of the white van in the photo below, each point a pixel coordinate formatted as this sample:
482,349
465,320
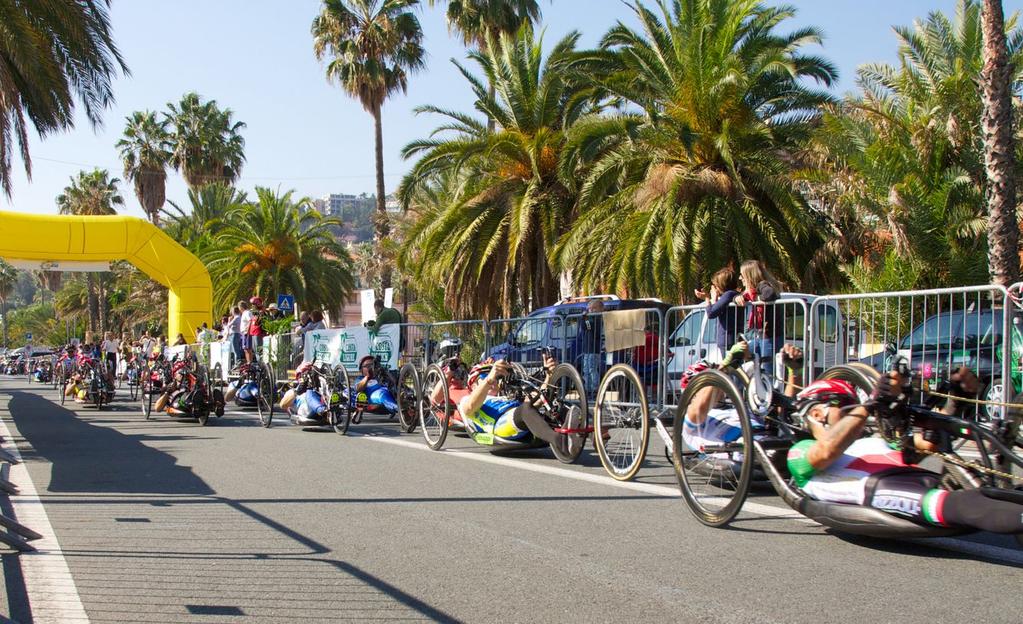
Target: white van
695,337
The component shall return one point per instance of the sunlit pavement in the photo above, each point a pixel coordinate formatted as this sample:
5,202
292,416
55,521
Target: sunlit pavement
166,521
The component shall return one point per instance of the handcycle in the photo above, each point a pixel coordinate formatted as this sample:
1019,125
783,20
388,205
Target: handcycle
189,391
559,400
715,478
254,386
156,374
623,417
326,402
90,383
379,399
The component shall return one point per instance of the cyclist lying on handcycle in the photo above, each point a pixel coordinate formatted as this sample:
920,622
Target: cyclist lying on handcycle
840,466
706,426
306,396
482,407
373,390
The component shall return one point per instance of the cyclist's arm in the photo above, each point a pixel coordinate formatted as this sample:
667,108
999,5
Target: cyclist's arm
832,442
472,403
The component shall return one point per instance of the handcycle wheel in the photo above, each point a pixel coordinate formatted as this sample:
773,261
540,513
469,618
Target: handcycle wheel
265,396
147,395
570,412
340,401
408,397
714,476
621,422
435,416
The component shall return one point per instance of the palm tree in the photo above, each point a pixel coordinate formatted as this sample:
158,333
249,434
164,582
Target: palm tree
373,45
207,144
899,169
277,245
504,208
146,152
52,54
8,278
481,20
694,173
93,193
209,207
999,148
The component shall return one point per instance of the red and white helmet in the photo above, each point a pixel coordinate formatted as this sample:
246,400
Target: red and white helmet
256,301
302,369
478,372
836,392
177,367
693,371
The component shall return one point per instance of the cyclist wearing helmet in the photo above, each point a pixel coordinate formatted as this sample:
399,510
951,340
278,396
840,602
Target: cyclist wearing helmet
371,391
482,409
840,466
310,408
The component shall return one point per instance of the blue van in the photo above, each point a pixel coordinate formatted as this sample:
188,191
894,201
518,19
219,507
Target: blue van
557,327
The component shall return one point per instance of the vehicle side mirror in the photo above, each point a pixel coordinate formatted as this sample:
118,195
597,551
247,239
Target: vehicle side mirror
510,338
682,341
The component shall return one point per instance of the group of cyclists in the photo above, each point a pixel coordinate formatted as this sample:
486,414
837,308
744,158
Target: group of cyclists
847,448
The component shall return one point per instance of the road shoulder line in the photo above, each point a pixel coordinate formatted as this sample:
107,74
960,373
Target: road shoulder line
52,593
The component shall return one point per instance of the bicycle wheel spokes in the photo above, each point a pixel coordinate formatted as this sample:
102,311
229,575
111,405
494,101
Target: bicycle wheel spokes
570,412
621,422
712,440
435,408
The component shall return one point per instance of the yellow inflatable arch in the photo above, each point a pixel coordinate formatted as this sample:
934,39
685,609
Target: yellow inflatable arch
83,239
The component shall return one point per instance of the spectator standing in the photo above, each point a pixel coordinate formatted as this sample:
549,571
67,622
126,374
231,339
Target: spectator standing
232,334
385,315
243,329
764,322
724,289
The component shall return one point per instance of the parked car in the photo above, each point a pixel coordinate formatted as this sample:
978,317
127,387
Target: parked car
695,337
944,342
557,327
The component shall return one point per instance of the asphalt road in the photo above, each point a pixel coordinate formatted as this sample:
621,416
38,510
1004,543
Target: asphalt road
166,521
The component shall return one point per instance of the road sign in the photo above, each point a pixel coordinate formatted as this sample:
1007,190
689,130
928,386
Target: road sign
286,303
28,336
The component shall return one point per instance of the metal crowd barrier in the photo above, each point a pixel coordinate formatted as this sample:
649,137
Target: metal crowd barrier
474,335
936,330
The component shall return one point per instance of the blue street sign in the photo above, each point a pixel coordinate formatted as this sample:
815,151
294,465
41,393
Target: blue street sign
286,303
28,336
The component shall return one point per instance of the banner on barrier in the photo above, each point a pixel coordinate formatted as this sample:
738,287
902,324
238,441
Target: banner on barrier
348,345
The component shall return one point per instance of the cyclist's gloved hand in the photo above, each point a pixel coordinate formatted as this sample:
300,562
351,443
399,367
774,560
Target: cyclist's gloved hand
736,355
889,391
964,383
792,357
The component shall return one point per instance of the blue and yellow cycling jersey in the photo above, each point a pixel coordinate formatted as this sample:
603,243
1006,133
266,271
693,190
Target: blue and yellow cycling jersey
496,417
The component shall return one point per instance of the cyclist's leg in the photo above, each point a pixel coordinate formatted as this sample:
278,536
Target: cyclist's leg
971,508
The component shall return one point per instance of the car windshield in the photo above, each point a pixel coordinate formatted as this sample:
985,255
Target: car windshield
957,329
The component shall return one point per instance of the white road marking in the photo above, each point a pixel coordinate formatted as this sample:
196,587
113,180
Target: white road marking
52,594
647,488
988,551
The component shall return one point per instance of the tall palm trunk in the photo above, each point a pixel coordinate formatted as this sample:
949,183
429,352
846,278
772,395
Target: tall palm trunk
999,149
382,226
93,302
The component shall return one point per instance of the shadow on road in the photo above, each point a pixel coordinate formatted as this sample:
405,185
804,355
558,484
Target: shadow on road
89,458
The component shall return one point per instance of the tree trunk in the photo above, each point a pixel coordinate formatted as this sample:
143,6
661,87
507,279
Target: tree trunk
999,149
93,302
382,225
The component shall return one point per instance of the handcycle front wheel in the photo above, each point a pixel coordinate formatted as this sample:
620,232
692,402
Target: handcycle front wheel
435,415
713,460
571,412
408,397
340,413
621,422
265,396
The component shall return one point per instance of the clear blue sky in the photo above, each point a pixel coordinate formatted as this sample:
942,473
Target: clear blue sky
255,57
